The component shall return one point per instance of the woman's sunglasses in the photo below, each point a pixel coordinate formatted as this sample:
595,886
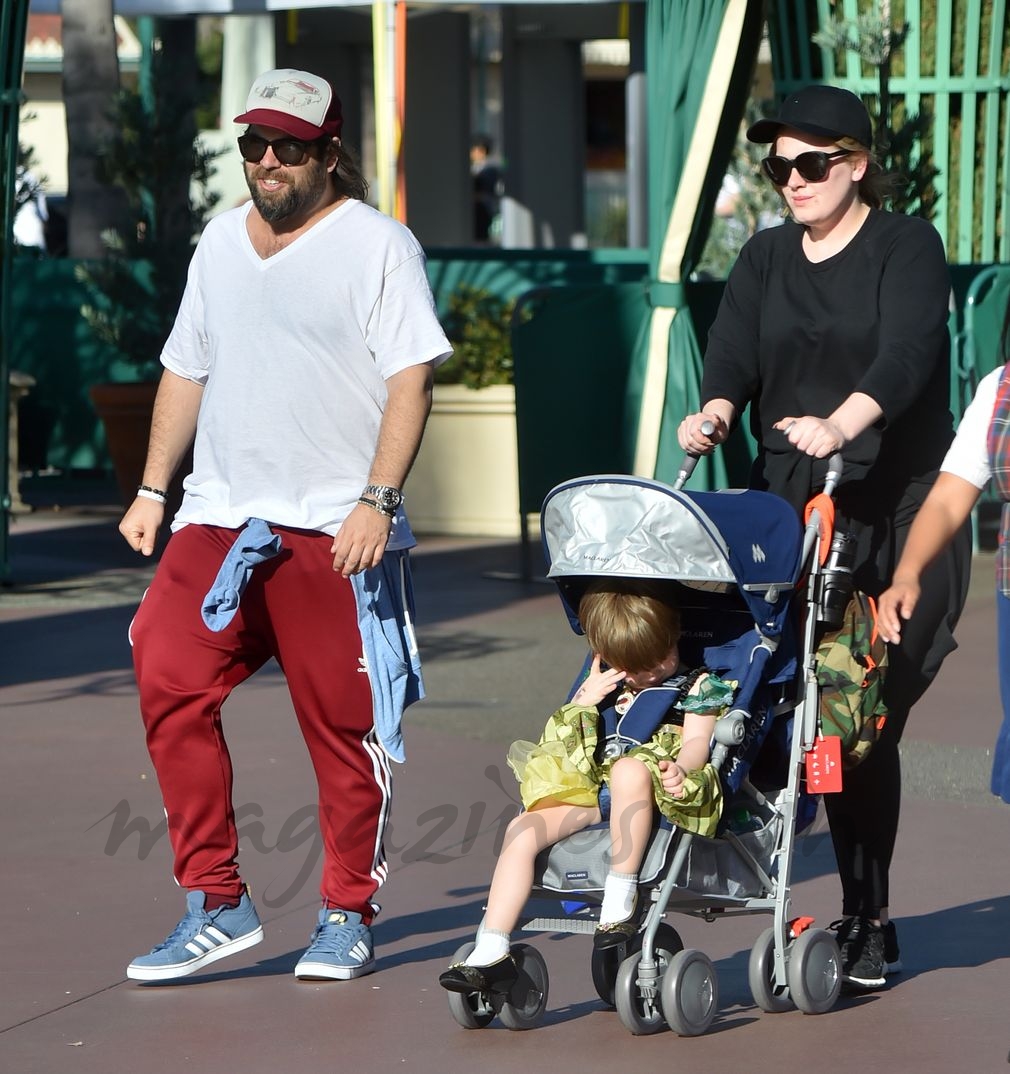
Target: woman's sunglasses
289,151
813,166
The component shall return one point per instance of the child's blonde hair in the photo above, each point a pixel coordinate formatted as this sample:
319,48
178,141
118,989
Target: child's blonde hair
631,623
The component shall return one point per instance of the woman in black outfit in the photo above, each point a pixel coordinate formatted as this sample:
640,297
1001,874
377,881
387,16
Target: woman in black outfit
834,328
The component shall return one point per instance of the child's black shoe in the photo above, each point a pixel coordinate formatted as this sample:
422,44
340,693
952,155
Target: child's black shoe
500,976
613,935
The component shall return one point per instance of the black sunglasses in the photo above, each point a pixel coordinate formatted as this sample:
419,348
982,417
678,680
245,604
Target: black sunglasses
289,151
813,166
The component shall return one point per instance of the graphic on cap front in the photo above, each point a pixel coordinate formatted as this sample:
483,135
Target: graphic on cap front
295,93
297,102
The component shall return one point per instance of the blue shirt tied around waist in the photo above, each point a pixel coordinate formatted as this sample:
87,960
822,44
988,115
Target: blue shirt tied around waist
254,545
384,598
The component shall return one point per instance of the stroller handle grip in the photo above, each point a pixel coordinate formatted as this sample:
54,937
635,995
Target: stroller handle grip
834,473
831,479
690,459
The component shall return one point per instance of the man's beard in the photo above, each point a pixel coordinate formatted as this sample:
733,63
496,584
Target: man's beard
293,198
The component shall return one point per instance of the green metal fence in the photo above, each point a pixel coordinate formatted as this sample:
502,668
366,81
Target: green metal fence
955,65
978,344
13,20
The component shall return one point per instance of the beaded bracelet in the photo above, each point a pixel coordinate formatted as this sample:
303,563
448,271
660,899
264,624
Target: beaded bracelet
375,506
148,493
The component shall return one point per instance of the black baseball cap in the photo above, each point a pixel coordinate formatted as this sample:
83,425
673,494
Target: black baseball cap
824,111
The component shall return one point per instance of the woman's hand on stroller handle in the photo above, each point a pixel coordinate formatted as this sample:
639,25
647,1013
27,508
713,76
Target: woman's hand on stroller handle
698,434
819,437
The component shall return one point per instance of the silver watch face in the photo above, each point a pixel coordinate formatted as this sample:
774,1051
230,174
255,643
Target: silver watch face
386,496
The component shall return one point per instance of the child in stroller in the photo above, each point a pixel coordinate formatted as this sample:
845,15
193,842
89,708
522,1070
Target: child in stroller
575,777
749,581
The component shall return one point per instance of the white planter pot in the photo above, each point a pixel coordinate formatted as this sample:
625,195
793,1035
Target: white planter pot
465,481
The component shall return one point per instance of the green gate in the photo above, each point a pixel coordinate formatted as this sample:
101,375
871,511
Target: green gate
955,65
13,21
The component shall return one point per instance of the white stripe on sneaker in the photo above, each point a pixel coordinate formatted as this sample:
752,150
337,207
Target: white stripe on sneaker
202,956
207,939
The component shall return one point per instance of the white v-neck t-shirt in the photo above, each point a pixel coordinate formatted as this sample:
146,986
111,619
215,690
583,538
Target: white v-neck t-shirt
293,352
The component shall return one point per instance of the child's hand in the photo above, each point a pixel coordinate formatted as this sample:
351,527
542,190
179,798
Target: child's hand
672,777
894,605
598,684
697,685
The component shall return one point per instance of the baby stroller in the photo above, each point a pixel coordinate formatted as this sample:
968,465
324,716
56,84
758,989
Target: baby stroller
750,582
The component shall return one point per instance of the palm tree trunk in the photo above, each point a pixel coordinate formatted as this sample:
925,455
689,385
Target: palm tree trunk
90,81
178,76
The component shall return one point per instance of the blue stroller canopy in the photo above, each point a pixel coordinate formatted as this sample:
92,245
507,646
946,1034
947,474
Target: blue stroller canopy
621,526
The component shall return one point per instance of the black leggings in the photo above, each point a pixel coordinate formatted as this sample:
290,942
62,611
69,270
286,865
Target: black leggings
864,815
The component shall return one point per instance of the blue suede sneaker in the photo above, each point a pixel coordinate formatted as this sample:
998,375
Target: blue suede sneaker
339,950
199,939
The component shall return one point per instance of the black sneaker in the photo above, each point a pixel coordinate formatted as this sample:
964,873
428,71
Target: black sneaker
861,944
892,956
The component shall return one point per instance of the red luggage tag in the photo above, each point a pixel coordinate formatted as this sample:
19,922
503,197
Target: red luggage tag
824,766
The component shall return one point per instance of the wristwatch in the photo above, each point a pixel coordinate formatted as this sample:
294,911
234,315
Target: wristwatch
386,498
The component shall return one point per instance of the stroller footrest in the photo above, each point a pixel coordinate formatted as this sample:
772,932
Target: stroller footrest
560,924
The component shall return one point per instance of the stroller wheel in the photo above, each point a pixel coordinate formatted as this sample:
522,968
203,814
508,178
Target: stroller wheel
690,993
606,963
473,1011
637,998
761,976
815,972
526,1002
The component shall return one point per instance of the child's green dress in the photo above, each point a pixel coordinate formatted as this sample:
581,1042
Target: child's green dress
563,765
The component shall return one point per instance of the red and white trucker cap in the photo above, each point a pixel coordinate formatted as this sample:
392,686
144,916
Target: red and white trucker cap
296,102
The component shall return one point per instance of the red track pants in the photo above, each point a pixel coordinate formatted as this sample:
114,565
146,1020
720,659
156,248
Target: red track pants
297,609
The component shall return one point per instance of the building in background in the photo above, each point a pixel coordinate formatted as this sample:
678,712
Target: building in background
546,82
43,118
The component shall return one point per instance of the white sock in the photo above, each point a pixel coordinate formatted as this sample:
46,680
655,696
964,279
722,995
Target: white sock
619,893
492,946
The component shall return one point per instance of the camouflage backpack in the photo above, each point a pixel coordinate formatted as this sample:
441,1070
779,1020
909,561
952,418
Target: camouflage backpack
851,665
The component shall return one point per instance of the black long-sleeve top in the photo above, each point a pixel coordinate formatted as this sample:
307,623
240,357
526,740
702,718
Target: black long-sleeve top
797,338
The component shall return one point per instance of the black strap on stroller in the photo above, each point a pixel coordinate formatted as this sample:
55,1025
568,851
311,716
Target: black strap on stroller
647,711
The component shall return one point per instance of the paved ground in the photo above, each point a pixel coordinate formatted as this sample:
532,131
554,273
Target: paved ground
87,875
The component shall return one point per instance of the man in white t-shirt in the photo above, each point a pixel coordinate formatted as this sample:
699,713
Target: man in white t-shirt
300,370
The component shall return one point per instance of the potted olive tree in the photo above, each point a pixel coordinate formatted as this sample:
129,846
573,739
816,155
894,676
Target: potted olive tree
465,480
132,294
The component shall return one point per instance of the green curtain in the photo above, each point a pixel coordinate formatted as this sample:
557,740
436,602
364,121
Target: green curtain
700,57
13,21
